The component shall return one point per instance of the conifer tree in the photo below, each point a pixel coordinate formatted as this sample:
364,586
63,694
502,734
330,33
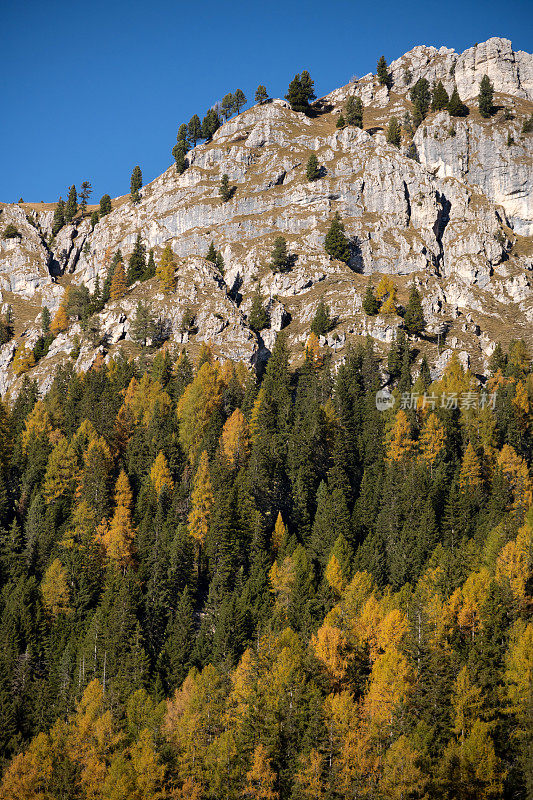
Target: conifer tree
95,218
179,152
312,170
439,97
194,129
261,94
413,319
137,262
71,208
341,122
160,476
456,107
118,281
322,322
202,500
85,192
60,321
150,267
336,243
59,217
470,475
420,98
210,124
394,132
143,324
226,106
136,184
226,191
105,205
485,97
280,261
383,72
353,112
370,301
258,317
239,100
211,253
301,92
166,268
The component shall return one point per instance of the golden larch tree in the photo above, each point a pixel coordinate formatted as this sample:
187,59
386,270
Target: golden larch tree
432,439
261,778
235,438
118,281
400,444
165,269
202,500
160,475
470,475
54,589
117,536
60,320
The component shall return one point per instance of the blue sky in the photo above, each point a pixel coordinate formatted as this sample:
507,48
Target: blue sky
90,90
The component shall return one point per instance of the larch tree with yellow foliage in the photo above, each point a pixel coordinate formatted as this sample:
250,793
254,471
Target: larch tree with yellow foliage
432,440
202,501
235,439
60,321
400,443
470,476
165,270
261,778
118,281
118,535
160,475
54,589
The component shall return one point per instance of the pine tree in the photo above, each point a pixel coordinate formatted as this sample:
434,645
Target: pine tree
59,217
210,124
211,253
486,97
165,270
194,129
439,97
261,94
370,301
341,122
383,72
150,267
336,243
179,152
353,112
85,192
413,319
322,322
312,170
420,98
95,218
226,106
261,778
118,281
280,261
301,92
239,100
226,191
137,262
394,132
105,205
456,107
54,589
136,184
71,208
258,317
143,324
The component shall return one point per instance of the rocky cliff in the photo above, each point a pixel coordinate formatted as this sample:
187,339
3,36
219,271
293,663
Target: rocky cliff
450,209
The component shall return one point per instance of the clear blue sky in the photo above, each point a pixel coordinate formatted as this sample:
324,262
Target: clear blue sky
90,90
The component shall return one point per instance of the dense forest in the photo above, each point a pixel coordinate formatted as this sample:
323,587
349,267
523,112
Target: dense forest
218,584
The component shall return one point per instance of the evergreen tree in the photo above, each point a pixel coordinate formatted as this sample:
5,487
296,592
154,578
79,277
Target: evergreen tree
137,262
179,152
59,217
210,124
150,267
413,319
341,122
383,72
136,184
211,253
258,317
143,324
239,100
280,260
312,170
486,97
71,208
322,322
85,192
394,132
301,92
261,94
353,112
370,301
105,205
336,243
226,191
439,97
226,106
420,98
95,218
194,129
456,107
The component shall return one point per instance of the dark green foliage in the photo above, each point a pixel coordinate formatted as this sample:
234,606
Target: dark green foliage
149,272
142,324
370,302
322,322
136,183
336,243
137,262
71,208
485,97
413,320
456,107
85,192
95,218
439,97
210,124
225,190
420,98
261,94
179,152
258,317
301,92
353,112
11,232
194,129
59,216
79,303
312,170
105,205
7,325
341,122
383,72
280,261
527,127
227,106
215,257
239,100
394,132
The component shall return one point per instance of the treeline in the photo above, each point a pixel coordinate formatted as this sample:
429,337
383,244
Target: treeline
334,600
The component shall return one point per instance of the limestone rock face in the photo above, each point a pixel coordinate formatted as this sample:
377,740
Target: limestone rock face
451,210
